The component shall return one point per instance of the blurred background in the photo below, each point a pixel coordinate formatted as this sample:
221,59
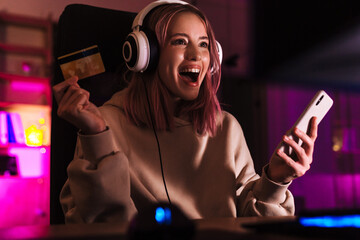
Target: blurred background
277,55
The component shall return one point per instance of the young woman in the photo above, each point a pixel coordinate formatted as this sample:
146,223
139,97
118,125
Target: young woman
203,166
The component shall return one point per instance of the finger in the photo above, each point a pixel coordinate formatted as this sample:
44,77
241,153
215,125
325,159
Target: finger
74,114
308,142
288,160
314,128
81,102
60,89
63,85
69,100
302,155
300,134
76,103
299,151
298,169
72,93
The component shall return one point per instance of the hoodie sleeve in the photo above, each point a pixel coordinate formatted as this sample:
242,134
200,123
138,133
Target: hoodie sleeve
98,184
257,196
263,197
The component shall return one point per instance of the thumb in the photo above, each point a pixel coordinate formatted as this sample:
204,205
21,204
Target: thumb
60,88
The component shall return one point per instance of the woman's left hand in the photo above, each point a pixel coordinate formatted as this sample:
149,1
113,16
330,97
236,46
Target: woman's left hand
282,167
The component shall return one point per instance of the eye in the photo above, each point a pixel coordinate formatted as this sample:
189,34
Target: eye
178,41
204,44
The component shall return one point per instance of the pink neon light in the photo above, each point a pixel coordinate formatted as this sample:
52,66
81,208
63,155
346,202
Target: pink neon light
24,202
27,86
3,129
26,67
31,161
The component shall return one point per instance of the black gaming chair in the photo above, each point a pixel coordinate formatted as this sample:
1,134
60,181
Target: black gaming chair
81,26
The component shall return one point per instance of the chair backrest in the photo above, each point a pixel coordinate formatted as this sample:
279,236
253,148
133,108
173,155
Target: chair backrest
81,26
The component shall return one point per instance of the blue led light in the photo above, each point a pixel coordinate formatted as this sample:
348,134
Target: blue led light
160,215
167,216
331,221
163,215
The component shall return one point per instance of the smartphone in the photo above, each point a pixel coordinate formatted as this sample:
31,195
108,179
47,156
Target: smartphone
319,105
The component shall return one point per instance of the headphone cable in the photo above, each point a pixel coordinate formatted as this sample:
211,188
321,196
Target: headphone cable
157,141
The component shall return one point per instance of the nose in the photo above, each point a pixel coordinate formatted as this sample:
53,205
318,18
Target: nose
193,53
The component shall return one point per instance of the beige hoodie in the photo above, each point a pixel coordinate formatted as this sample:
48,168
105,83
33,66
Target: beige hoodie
116,173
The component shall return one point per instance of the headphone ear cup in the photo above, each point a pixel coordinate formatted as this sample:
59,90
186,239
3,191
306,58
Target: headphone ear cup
220,55
153,50
136,51
219,51
130,51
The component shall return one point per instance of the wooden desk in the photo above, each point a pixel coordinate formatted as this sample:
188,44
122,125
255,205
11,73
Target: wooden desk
222,229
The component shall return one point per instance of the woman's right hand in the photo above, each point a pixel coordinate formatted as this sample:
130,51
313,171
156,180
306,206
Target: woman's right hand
75,107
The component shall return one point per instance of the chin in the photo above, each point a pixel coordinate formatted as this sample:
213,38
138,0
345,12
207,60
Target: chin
190,98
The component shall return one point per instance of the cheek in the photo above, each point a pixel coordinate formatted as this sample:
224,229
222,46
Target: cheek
206,63
165,72
168,64
163,64
166,59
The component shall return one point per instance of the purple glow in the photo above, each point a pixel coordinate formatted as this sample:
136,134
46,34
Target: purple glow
24,201
31,161
333,182
25,198
349,139
27,86
347,186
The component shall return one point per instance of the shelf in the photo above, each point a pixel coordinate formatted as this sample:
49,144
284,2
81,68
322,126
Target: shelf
3,177
25,97
23,20
17,105
24,50
10,77
4,105
25,90
16,145
19,47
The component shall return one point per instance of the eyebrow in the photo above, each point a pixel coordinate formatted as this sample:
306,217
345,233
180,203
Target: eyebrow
185,35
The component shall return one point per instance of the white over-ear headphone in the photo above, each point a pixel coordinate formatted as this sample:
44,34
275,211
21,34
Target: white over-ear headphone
140,49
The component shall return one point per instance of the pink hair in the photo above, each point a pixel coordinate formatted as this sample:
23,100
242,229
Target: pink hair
202,112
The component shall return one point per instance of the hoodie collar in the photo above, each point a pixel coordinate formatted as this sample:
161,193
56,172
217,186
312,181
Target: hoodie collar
117,100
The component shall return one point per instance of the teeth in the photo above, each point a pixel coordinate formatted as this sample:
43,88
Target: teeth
191,74
191,70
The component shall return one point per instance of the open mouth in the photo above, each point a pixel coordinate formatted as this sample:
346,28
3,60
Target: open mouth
190,75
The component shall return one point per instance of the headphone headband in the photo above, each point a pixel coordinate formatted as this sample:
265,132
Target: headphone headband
140,49
138,21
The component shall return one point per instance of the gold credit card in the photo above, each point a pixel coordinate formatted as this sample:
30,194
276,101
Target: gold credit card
83,63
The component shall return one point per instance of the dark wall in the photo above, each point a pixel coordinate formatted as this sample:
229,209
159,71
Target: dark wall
246,99
285,29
